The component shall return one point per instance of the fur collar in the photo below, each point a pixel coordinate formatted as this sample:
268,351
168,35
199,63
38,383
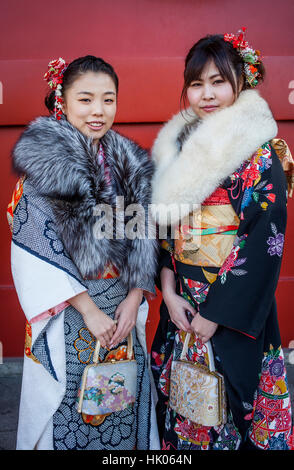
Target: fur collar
61,164
211,153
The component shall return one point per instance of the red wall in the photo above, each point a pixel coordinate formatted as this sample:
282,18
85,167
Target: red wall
146,41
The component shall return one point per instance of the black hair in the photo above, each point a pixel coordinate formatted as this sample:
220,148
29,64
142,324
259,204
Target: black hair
226,58
78,67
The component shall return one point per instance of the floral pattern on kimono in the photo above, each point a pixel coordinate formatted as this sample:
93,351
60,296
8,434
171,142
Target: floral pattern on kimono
239,297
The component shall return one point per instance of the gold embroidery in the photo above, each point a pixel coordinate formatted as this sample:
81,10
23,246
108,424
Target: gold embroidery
207,250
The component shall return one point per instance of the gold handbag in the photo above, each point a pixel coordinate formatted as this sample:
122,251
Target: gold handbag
108,387
197,391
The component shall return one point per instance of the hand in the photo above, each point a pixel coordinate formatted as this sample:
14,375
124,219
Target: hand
177,307
100,325
203,328
126,316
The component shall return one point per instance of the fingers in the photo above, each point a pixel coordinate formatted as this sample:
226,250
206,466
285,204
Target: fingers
126,315
103,341
120,334
181,321
106,336
117,338
183,327
201,338
203,329
190,309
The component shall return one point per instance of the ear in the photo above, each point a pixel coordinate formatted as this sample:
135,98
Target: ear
63,108
241,84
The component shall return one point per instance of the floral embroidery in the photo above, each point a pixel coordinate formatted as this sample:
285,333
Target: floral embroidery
275,243
232,260
158,360
198,290
271,424
229,437
187,430
109,392
197,351
250,177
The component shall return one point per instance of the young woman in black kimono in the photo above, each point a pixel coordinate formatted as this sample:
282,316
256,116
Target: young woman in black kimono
221,185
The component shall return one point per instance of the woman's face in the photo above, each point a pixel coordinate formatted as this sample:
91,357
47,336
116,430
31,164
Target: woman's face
210,92
90,104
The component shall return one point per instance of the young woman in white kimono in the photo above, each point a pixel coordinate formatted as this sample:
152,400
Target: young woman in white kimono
74,285
220,184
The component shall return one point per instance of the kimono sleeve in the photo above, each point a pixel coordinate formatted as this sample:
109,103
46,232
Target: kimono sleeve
166,248
43,274
243,293
42,288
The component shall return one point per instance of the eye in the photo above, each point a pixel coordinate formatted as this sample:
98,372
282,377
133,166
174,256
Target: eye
109,100
85,100
195,84
218,81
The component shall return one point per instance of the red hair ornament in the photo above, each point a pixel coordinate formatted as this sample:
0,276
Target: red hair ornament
54,77
250,57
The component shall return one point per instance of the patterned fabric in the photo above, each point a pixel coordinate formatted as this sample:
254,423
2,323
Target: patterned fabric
238,295
16,195
272,407
117,431
108,389
218,197
208,238
181,433
286,160
195,396
34,231
21,222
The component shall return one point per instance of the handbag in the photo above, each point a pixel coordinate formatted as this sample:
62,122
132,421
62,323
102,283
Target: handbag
197,392
107,387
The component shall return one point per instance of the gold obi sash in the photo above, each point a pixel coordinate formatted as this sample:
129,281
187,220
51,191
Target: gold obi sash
206,237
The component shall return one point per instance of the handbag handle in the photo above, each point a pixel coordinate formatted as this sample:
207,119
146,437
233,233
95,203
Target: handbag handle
209,350
129,349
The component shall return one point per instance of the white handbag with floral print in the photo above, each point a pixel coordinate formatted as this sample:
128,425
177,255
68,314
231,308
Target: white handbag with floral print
108,387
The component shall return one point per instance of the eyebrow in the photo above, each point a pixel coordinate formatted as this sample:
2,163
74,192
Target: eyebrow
92,94
211,77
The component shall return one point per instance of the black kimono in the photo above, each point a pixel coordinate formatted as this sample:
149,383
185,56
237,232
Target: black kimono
230,278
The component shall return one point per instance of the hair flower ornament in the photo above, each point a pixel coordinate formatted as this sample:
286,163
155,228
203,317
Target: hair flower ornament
54,77
250,56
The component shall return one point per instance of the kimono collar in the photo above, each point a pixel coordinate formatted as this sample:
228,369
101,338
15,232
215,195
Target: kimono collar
212,152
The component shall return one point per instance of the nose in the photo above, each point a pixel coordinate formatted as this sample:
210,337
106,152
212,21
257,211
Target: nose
208,92
97,109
